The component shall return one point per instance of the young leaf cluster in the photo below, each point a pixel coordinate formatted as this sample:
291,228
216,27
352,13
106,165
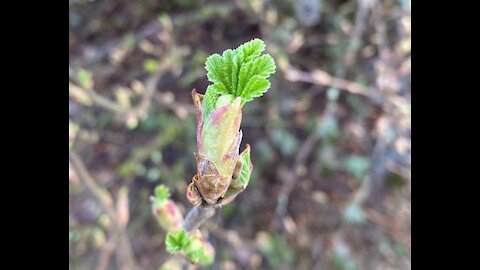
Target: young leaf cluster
241,72
181,242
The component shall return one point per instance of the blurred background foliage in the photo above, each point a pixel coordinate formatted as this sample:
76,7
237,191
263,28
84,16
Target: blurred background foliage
331,184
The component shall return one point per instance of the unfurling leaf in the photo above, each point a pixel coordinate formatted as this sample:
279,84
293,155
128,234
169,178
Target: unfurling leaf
240,73
178,241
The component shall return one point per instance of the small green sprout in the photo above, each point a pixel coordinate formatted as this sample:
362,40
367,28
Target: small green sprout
162,194
190,246
178,241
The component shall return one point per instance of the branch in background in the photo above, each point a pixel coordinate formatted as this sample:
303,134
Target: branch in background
355,39
150,29
376,159
125,253
140,111
320,77
290,177
91,97
106,253
98,53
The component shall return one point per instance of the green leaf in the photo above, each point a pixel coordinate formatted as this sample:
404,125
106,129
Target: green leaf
255,87
215,71
237,64
192,248
252,49
245,73
219,88
241,72
264,66
178,241
227,66
261,67
196,255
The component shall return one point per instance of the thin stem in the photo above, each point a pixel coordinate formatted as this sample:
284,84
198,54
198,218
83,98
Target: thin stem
197,216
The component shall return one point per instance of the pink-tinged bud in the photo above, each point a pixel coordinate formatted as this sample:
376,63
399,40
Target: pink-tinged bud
200,241
168,215
219,135
240,178
218,139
